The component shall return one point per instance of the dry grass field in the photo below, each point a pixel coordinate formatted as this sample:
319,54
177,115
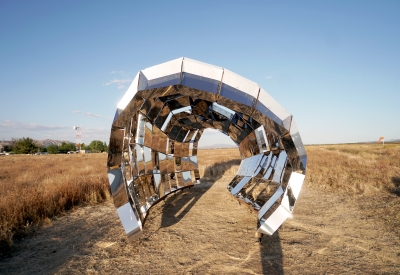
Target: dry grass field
35,188
355,168
346,221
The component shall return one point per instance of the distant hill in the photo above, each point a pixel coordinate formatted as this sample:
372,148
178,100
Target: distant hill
41,143
219,145
48,142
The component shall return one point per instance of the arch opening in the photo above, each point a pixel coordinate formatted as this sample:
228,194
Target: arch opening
160,120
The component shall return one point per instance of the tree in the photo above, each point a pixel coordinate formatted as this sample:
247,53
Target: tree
105,147
66,147
98,146
25,146
52,149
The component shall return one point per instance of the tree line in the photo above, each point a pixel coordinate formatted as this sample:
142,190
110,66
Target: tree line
28,146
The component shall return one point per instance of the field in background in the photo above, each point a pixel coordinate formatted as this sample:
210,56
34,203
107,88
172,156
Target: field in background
34,188
354,168
213,163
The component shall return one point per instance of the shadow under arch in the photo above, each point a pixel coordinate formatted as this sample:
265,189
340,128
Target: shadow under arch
179,204
396,182
271,255
216,171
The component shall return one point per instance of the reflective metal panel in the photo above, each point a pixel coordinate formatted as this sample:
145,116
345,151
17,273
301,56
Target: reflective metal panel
274,221
280,165
157,184
187,178
132,226
117,187
140,159
115,147
173,181
170,164
234,182
261,139
162,160
272,109
240,185
294,132
148,160
165,183
185,163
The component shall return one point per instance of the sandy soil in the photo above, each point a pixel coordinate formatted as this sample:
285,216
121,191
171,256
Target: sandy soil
203,230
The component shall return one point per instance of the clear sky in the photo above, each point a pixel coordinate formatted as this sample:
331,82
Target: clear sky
335,65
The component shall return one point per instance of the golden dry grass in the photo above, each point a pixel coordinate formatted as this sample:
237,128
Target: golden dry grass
34,188
354,168
216,162
203,230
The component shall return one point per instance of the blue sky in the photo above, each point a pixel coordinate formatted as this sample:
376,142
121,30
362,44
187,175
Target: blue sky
335,65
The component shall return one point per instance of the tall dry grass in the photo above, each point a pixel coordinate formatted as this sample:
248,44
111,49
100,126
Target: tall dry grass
351,168
218,162
34,188
354,168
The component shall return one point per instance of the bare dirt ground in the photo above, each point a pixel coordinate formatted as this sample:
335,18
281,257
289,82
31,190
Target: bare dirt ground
203,230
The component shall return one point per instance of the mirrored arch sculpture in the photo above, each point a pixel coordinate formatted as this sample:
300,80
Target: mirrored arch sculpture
160,120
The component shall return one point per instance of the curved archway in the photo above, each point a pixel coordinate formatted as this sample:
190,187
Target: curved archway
160,120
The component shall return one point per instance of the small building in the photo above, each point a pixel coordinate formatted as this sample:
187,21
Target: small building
85,151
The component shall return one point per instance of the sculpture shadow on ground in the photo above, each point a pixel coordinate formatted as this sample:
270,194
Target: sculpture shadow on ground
396,182
271,254
179,204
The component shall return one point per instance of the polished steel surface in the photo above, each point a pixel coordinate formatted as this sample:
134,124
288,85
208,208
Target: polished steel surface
159,122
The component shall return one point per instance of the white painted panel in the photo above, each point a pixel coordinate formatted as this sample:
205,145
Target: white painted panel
241,83
202,69
132,90
273,105
163,69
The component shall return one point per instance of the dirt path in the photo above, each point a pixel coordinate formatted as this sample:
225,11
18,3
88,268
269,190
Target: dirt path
203,230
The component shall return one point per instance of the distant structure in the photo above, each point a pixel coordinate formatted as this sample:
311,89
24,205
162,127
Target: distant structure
382,139
78,137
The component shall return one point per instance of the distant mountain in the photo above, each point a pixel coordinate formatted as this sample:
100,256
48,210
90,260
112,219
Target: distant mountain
216,146
48,142
41,143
